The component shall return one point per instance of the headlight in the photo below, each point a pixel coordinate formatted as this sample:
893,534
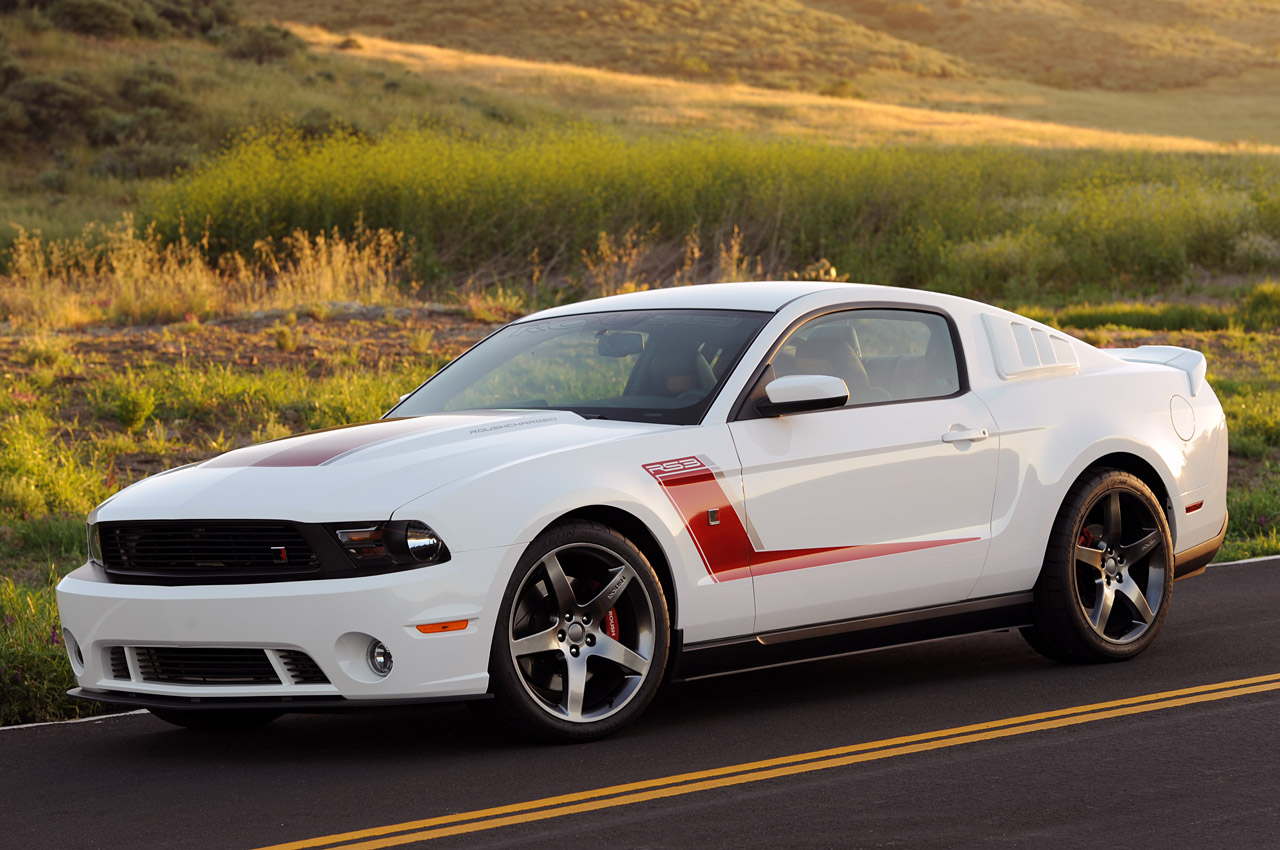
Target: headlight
95,545
406,543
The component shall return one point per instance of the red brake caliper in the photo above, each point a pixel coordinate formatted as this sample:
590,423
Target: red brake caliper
611,623
1086,537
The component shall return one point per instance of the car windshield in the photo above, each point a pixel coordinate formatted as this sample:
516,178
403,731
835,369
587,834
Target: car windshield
641,366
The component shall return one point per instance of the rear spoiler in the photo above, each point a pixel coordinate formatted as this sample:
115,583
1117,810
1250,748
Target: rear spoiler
1191,362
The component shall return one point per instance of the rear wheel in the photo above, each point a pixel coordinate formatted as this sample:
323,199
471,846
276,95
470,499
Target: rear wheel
226,720
582,636
1105,587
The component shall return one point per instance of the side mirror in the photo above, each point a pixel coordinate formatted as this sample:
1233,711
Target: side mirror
798,393
619,344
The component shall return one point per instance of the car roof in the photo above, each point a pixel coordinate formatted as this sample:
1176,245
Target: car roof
764,296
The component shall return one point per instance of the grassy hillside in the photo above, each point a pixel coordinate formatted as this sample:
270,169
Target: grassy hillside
1223,115
1126,45
827,44
779,43
1185,68
86,121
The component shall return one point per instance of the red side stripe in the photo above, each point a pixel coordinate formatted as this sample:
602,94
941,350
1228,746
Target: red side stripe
726,548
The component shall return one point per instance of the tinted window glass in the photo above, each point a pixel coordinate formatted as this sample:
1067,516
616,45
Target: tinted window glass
881,355
651,366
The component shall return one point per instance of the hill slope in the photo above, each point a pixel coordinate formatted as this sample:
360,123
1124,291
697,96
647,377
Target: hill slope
630,99
1122,45
779,43
815,45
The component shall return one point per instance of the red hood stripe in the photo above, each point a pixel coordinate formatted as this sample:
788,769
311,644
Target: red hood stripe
319,447
726,548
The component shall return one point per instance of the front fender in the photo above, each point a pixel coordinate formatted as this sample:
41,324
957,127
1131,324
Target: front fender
511,505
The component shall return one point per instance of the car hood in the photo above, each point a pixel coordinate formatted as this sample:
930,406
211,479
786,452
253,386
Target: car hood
358,472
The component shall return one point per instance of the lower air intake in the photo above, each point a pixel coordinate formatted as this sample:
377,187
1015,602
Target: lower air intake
205,666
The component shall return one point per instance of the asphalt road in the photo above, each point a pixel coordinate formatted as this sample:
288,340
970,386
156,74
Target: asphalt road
1193,768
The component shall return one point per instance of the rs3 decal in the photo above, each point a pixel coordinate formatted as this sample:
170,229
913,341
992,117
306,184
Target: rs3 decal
723,543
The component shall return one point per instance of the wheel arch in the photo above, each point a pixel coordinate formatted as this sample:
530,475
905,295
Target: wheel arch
1144,472
634,529
1136,466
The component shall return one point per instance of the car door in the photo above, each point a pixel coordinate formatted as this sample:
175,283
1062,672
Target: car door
883,504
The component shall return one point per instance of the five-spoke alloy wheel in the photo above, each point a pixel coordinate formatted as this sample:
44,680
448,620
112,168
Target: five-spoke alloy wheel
582,635
1105,586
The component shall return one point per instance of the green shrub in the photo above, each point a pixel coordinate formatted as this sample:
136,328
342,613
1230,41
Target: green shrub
1260,307
104,126
1152,317
196,17
93,17
1253,251
10,69
134,405
118,18
262,44
142,160
994,223
1011,263
51,107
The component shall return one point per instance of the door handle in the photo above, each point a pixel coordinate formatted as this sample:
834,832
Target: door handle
972,435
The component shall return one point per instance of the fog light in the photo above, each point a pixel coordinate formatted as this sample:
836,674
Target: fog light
379,658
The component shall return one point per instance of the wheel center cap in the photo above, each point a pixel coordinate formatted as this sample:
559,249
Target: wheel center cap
576,632
1112,567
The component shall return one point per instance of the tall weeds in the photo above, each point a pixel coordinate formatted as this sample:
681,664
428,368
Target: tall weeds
124,274
990,222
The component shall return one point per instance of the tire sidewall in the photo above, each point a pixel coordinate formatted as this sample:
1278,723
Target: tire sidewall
520,710
1058,576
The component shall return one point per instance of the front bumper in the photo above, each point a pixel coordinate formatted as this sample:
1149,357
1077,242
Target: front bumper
115,633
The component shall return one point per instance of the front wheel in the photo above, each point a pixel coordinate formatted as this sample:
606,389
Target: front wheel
582,636
1105,587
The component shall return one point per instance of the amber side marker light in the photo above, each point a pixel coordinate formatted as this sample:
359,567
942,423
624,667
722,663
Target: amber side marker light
451,626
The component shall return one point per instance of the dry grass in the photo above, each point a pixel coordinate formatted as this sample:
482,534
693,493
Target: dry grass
1198,69
784,44
815,44
126,275
1118,45
1237,112
614,98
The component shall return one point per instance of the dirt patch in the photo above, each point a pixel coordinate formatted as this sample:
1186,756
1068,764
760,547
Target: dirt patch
368,338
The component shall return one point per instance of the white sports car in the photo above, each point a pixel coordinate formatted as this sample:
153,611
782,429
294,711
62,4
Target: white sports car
665,485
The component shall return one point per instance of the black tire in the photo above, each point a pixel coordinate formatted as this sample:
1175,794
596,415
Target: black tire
217,720
578,659
1105,587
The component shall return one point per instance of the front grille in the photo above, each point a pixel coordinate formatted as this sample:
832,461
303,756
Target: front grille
205,666
119,664
302,668
208,551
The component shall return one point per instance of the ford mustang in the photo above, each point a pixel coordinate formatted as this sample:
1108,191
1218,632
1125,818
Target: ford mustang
606,496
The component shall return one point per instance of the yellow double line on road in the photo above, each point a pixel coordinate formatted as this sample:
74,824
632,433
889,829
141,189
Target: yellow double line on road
413,832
